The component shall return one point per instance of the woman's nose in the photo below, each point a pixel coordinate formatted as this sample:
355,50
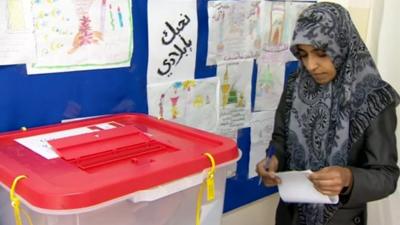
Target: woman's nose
311,63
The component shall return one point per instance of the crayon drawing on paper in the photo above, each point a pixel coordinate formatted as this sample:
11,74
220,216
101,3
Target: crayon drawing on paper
235,89
262,124
269,86
278,24
81,34
234,30
16,38
190,102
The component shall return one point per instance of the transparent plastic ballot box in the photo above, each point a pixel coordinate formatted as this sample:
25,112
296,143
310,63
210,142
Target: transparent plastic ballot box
126,169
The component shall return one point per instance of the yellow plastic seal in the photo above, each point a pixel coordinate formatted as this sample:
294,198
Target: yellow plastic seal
210,185
15,202
210,181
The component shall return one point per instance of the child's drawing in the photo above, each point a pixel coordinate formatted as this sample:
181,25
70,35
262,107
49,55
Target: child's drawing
85,35
234,32
190,102
81,34
270,79
276,27
15,16
235,88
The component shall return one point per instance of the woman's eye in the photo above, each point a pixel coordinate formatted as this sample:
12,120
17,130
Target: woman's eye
302,54
321,53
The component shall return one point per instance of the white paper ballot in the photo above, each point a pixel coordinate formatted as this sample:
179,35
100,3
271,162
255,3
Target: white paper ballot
296,187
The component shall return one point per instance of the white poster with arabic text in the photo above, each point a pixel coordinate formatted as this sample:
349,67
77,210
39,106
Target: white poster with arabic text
172,40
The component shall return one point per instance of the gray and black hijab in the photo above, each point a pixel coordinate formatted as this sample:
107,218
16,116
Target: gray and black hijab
325,120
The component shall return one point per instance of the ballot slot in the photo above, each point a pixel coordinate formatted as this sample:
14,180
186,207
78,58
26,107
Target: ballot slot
104,147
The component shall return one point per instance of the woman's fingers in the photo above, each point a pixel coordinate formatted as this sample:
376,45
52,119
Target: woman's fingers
331,180
328,189
268,175
271,179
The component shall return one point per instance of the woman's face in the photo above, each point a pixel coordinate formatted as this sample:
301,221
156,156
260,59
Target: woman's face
318,63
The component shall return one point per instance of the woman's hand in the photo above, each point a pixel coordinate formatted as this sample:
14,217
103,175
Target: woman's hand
331,180
268,174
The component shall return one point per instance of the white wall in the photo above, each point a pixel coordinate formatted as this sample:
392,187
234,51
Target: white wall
379,26
388,61
261,212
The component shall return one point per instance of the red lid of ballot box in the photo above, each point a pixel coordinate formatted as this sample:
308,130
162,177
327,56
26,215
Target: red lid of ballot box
113,156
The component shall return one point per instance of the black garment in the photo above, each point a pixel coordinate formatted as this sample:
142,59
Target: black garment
372,160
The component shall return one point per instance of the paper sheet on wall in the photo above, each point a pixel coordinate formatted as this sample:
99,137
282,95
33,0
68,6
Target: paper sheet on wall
75,35
270,82
172,40
279,25
242,29
234,30
235,99
262,124
16,37
275,32
297,188
230,133
190,102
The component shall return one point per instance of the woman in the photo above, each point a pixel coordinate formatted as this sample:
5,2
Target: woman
337,118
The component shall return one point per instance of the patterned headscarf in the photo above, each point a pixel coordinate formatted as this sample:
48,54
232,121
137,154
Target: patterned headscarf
325,120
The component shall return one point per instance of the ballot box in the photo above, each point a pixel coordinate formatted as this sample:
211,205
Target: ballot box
125,169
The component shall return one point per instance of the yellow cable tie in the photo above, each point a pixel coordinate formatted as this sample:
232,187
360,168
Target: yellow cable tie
15,202
199,203
210,184
27,216
210,181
